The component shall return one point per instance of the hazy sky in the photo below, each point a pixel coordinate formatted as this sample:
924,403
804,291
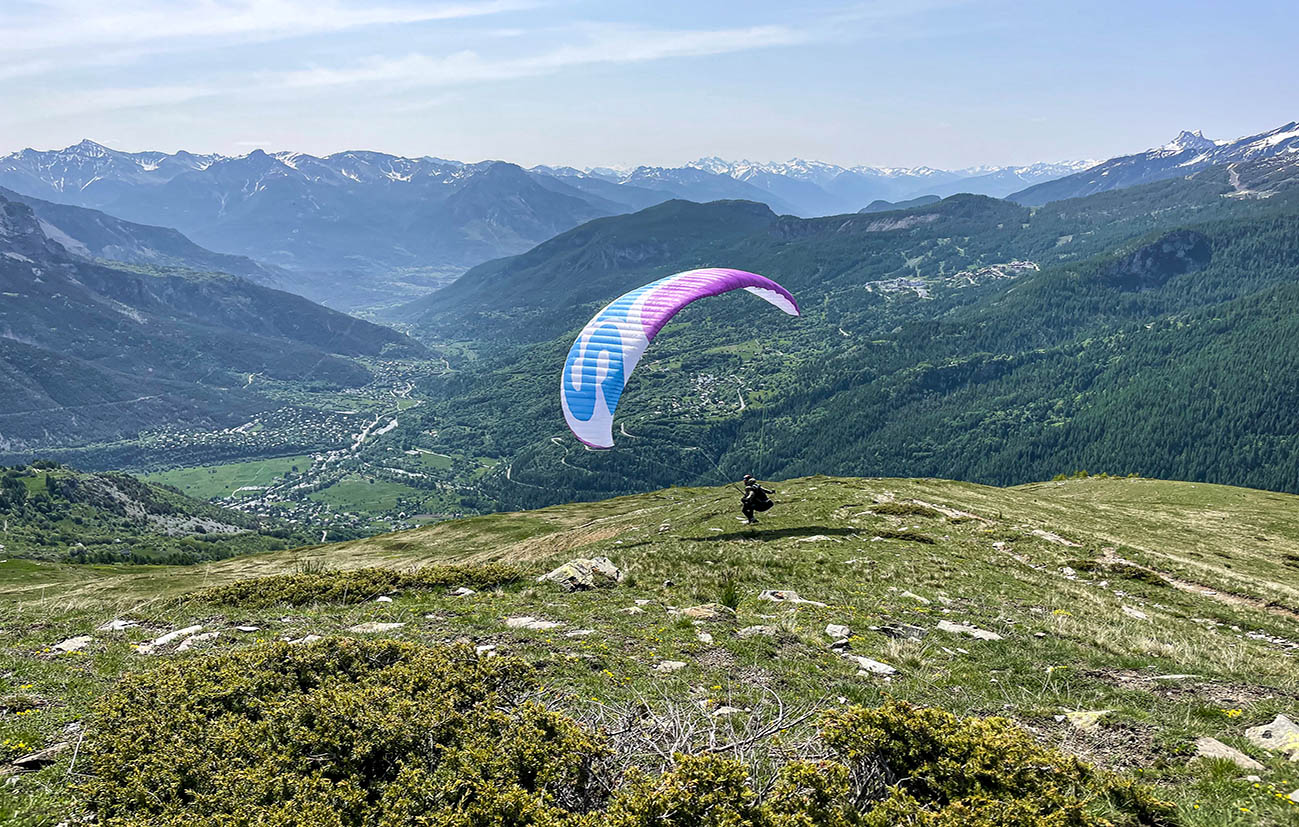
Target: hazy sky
946,83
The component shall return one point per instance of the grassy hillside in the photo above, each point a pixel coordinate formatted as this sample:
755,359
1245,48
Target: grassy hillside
1169,609
50,512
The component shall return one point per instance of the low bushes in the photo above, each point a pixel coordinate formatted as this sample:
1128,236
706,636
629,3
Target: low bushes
346,732
355,585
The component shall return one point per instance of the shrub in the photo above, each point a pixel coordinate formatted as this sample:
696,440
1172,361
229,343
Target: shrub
353,586
926,766
338,732
347,732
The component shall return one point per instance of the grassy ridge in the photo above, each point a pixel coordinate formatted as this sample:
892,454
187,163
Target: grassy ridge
1049,568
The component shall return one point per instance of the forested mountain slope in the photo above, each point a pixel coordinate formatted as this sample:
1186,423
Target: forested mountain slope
1136,331
89,350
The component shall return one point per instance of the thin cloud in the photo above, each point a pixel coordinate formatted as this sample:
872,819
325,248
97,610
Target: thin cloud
604,44
78,23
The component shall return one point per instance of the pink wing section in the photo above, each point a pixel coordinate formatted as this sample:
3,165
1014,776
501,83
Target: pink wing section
667,296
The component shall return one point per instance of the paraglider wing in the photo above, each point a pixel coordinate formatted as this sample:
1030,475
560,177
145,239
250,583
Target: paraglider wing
608,348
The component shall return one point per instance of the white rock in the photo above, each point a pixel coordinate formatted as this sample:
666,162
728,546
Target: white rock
1132,611
194,640
644,602
818,538
305,640
383,598
1213,748
786,596
148,647
463,591
758,631
117,626
723,711
704,637
580,633
74,644
970,631
1281,735
916,598
584,573
485,648
838,631
527,622
632,610
1294,796
247,628
872,667
670,666
1086,720
372,627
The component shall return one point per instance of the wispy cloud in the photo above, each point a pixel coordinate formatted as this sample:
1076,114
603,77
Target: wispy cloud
595,44
46,24
601,44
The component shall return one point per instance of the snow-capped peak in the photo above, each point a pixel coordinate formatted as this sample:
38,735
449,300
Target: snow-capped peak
1189,140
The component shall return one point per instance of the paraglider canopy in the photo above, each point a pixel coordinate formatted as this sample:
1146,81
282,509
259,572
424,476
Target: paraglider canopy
611,344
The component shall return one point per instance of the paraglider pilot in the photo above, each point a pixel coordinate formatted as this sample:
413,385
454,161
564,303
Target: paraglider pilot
755,498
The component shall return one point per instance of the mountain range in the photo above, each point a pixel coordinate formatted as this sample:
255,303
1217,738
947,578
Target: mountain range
1189,152
91,349
357,229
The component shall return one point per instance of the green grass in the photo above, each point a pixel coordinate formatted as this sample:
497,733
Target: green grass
207,482
356,493
1067,643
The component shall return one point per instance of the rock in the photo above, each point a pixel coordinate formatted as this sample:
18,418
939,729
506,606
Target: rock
669,666
194,640
644,602
1052,537
786,596
74,644
704,637
632,610
758,631
531,623
1213,748
841,645
1068,572
41,759
146,648
302,641
383,598
1132,611
117,626
1173,677
709,611
463,591
916,597
970,631
584,573
1279,736
1253,779
723,711
818,538
1086,721
1294,796
837,631
247,628
485,649
580,633
903,631
373,627
871,667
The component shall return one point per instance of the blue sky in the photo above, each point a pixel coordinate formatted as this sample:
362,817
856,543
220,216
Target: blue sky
947,83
